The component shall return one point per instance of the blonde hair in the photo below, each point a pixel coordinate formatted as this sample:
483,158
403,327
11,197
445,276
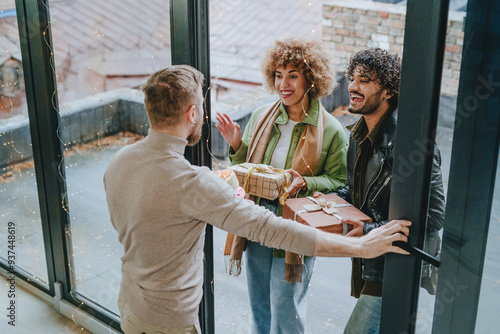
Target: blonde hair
307,56
168,93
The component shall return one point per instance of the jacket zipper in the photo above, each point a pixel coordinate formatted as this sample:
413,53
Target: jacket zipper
386,182
371,183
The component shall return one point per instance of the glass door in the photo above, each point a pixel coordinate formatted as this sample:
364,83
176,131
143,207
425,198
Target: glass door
23,250
467,133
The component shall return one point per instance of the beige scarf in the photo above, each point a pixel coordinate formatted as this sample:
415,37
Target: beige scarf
305,160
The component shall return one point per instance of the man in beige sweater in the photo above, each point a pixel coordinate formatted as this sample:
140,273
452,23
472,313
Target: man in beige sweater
160,204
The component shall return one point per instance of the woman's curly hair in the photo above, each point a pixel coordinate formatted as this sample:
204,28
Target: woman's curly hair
379,65
307,56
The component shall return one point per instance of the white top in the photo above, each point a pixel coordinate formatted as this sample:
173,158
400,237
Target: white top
280,153
159,203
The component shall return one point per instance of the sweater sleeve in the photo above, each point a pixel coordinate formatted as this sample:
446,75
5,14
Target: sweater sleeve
206,197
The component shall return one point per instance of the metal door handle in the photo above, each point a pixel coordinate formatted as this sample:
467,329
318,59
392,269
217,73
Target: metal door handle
418,252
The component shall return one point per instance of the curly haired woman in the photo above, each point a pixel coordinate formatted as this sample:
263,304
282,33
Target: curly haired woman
295,133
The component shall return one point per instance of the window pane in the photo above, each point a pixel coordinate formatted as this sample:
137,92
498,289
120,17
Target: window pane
239,37
104,51
18,191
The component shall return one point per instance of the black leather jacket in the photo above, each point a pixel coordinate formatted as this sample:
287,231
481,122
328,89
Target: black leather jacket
376,195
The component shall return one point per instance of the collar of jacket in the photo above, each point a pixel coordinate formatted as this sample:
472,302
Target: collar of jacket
311,118
388,132
385,135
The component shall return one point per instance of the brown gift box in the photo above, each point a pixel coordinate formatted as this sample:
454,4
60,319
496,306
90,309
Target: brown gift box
320,219
266,184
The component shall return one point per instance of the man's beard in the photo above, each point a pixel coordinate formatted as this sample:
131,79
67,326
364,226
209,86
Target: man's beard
371,104
195,135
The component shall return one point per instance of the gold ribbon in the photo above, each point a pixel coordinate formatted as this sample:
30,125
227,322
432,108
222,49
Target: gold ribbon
270,170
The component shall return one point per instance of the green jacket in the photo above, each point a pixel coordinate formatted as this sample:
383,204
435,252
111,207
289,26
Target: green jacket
331,171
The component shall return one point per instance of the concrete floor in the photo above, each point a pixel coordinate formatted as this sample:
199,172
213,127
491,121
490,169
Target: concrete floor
34,315
96,254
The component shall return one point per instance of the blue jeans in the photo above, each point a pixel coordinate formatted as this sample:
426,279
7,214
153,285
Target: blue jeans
365,318
278,307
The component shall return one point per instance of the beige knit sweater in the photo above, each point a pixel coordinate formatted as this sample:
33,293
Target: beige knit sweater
159,203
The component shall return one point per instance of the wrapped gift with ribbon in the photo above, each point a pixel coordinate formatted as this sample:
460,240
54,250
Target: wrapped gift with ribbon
263,180
324,213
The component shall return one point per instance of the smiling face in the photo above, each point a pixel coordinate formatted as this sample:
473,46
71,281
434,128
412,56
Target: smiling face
292,86
366,94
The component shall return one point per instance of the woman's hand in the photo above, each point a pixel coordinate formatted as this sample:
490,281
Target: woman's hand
229,130
297,184
317,194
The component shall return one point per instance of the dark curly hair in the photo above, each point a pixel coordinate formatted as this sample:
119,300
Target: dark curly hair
308,56
378,65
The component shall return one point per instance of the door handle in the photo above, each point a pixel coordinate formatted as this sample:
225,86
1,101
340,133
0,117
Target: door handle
418,252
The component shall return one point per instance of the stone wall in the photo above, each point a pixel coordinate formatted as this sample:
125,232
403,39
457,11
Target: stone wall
351,26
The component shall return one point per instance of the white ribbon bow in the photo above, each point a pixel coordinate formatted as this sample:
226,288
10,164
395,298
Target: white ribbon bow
328,207
321,204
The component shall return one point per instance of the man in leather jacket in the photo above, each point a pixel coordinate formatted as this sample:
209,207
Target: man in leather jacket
374,77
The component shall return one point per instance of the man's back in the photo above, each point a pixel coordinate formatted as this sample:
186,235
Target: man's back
162,247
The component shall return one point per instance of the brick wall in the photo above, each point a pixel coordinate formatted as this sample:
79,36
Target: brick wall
351,26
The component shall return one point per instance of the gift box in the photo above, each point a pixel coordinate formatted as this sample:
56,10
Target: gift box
229,176
262,180
323,213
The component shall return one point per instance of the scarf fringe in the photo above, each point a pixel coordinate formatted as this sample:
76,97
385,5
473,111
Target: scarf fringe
293,273
233,267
